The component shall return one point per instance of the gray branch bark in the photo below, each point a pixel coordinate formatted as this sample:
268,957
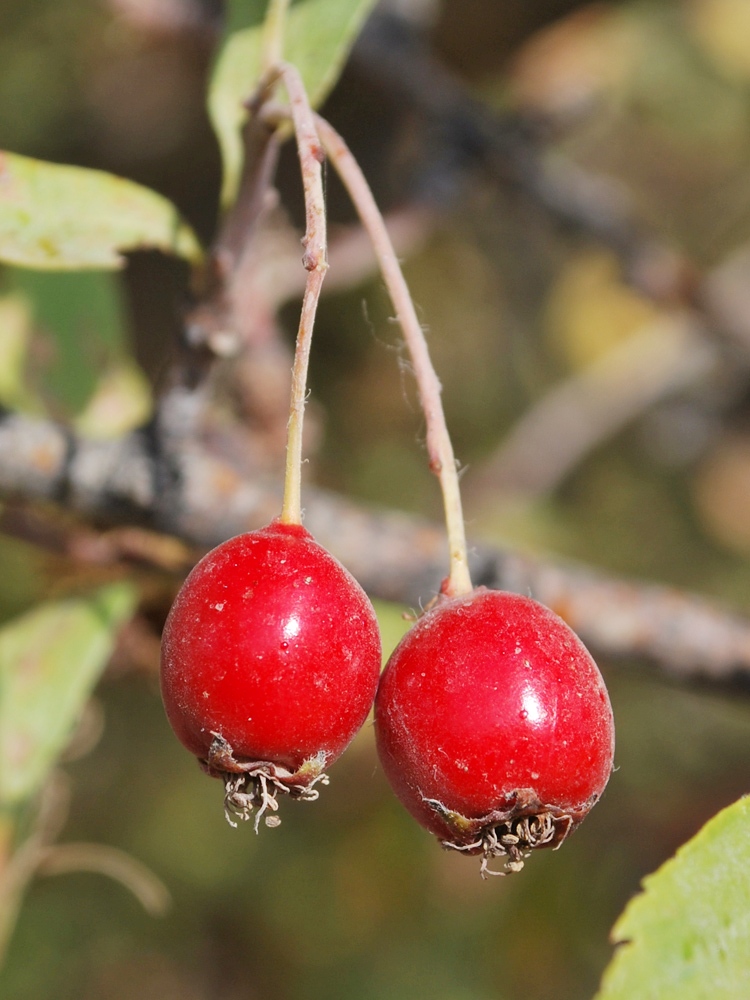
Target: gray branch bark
194,494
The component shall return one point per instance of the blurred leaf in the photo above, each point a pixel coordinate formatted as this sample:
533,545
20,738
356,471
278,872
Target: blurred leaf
241,14
121,402
50,659
687,935
591,310
679,95
722,28
26,565
15,332
318,36
393,625
78,320
59,218
44,75
721,492
576,61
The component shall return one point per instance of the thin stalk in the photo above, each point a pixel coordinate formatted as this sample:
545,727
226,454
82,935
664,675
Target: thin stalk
439,447
18,864
150,891
316,262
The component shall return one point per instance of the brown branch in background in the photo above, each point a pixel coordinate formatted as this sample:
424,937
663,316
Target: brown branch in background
688,636
215,323
467,140
254,269
234,317
551,439
508,148
395,557
350,254
512,151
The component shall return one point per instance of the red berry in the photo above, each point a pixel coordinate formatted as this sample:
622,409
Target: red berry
270,661
494,725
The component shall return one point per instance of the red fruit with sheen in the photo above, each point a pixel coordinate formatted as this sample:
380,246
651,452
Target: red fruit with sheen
270,662
494,725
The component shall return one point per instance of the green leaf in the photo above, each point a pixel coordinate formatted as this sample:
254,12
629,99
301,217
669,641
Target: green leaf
50,660
79,324
15,334
318,36
240,14
393,626
59,218
122,402
687,935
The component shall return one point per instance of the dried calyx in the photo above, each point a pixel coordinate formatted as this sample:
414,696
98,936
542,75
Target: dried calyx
254,786
513,833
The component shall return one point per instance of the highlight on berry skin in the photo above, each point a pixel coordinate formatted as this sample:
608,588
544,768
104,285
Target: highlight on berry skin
494,727
270,661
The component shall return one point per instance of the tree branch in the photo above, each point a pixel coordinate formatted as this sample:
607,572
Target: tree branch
395,556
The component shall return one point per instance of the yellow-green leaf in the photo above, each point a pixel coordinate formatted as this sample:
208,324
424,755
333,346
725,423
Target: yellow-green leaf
393,625
687,935
122,401
50,659
78,324
15,333
57,218
317,39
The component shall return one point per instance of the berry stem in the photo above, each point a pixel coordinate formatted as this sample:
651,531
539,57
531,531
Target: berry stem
316,263
439,447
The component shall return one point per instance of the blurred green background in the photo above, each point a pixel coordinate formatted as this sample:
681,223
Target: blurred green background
349,898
